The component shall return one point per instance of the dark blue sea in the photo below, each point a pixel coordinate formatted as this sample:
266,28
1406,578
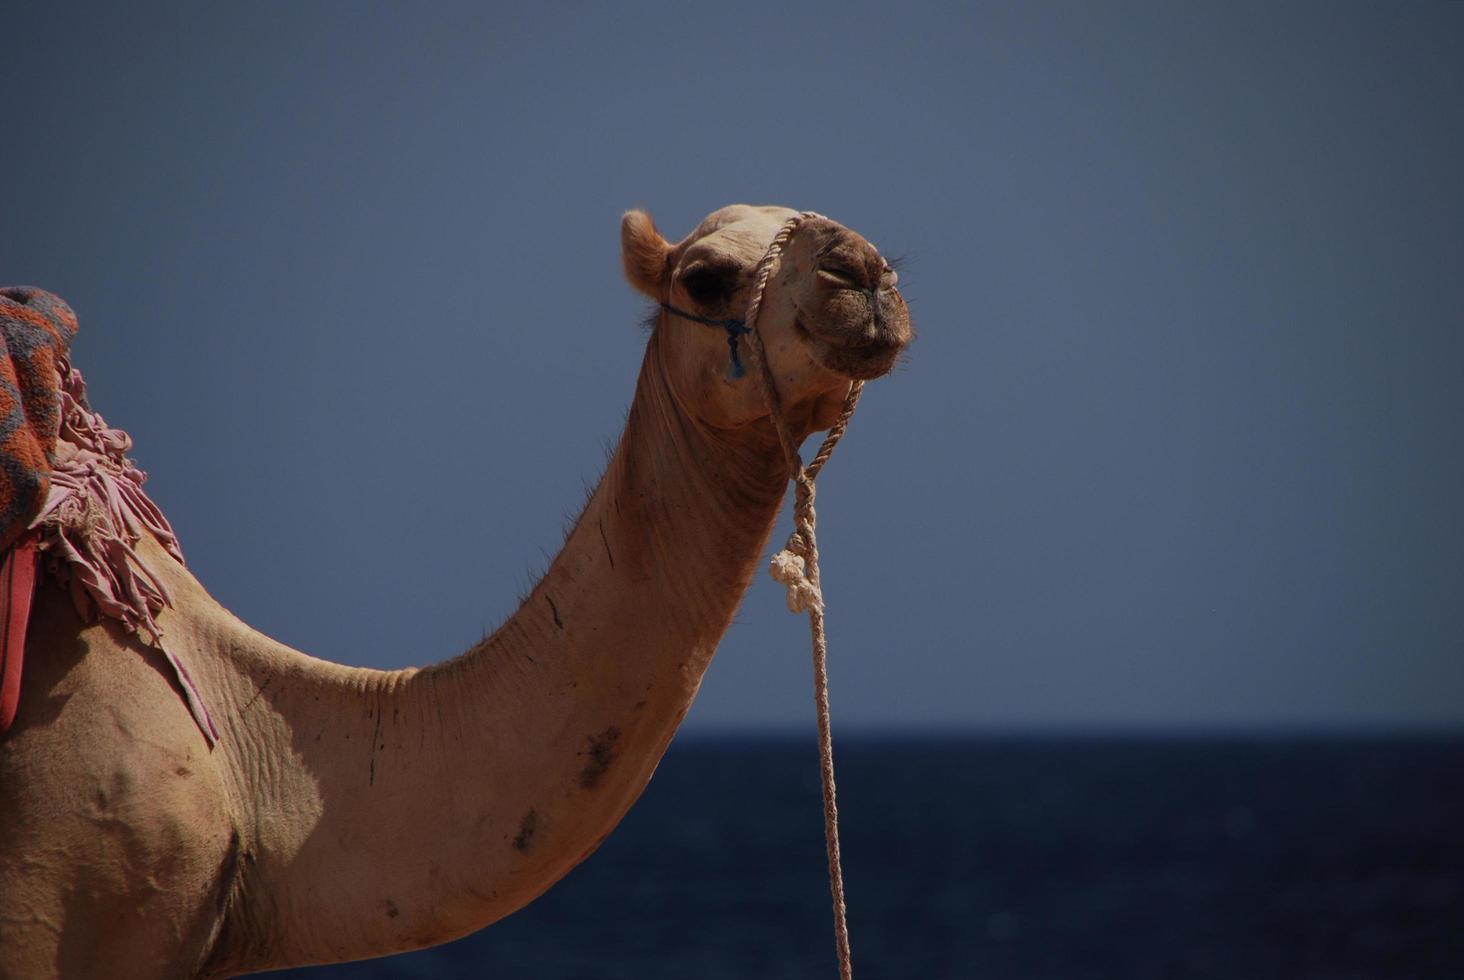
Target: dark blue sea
1033,858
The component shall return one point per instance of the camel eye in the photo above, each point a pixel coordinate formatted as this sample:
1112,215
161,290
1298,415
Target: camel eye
708,284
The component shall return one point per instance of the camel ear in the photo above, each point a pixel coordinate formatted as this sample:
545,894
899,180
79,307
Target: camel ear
644,253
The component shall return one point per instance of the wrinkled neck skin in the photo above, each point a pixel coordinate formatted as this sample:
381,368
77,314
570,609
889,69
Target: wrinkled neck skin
385,811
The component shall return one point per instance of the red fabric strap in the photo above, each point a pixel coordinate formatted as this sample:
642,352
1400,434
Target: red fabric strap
17,587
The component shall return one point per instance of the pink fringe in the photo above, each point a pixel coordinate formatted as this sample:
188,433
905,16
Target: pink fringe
95,513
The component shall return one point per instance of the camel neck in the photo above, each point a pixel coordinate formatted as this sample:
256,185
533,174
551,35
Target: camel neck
654,568
511,763
693,503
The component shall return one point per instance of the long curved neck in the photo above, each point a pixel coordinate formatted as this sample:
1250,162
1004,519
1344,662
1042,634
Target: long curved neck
438,801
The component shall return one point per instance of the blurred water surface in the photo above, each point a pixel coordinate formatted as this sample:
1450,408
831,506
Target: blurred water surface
1040,858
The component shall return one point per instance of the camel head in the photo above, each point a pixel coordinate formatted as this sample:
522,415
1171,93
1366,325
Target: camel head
830,313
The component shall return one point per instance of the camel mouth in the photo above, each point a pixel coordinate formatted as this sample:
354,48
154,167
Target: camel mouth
855,333
868,351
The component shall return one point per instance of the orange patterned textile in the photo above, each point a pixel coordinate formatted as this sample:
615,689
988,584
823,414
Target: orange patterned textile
36,329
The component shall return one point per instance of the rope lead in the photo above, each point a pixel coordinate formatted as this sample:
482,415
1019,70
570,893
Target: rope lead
796,566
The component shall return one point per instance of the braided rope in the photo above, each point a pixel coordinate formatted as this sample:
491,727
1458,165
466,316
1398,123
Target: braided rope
796,566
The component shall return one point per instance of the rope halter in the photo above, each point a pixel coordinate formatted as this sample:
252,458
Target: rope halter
796,565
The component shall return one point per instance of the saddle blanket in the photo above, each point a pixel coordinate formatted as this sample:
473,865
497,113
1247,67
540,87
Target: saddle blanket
72,505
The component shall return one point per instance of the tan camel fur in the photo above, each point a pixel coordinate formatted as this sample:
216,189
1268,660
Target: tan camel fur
348,813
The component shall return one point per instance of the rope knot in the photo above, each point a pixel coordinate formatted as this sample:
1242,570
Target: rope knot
792,571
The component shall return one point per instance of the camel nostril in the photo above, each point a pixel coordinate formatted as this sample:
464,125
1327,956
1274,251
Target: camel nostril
877,311
842,277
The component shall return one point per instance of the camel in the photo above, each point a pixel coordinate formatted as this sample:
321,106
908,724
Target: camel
347,813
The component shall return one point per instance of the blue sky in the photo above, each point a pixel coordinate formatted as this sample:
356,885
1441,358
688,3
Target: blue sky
1178,447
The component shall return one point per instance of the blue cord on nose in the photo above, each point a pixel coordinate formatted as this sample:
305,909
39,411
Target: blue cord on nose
735,329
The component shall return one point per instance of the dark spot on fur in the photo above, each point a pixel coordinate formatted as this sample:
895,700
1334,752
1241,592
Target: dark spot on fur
182,771
554,609
391,910
375,738
602,754
606,542
526,831
639,705
262,688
